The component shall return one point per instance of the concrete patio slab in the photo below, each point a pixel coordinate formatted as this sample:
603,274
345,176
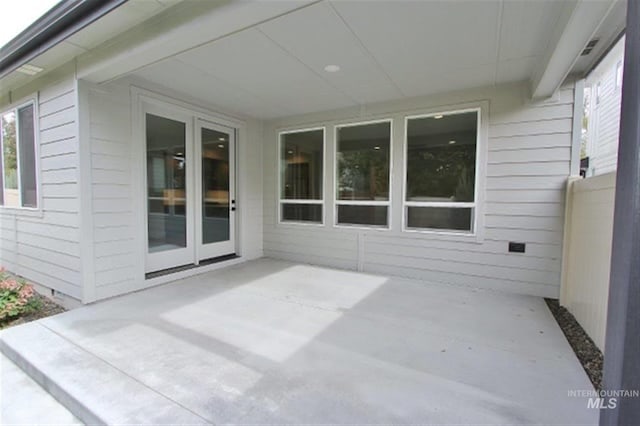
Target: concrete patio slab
24,402
277,342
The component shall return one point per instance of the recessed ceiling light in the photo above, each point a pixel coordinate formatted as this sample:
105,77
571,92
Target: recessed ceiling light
376,147
289,152
332,68
220,146
29,69
437,117
452,142
222,139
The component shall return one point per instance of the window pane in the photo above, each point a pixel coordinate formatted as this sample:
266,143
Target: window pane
216,223
301,165
459,219
363,162
441,157
302,212
10,160
166,183
28,184
362,215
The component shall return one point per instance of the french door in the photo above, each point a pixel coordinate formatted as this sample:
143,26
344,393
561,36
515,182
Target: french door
190,189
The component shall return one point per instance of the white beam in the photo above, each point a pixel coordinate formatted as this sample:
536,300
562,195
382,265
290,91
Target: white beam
577,23
179,29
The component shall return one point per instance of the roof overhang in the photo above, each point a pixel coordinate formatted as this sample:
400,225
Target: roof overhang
60,22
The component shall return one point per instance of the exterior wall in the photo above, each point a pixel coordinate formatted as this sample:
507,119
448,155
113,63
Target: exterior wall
118,247
528,162
604,114
44,245
587,245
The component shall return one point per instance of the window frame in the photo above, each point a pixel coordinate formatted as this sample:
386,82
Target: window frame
281,200
388,203
477,224
15,106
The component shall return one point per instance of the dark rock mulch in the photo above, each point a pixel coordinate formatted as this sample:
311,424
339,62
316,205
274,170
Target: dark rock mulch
47,308
587,352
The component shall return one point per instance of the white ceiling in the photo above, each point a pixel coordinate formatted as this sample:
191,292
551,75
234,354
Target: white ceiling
386,50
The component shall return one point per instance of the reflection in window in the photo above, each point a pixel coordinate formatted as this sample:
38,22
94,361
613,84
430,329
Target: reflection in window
441,171
166,183
301,176
18,183
10,160
215,186
363,162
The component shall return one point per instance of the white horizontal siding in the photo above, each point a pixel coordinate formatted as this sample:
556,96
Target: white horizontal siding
528,161
112,202
44,246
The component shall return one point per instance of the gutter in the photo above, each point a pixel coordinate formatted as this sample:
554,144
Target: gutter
60,22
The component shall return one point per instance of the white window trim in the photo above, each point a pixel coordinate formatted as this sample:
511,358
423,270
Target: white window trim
619,71
337,202
15,106
281,200
477,231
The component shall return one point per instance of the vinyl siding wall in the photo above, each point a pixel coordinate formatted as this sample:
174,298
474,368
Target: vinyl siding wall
118,234
527,165
588,240
605,125
44,246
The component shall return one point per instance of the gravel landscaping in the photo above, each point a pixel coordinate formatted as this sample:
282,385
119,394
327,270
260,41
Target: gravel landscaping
587,352
46,309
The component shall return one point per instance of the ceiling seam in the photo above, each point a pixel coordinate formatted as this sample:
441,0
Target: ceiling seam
199,45
498,41
294,57
366,50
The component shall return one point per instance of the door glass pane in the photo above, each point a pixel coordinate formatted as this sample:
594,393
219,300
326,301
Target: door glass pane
166,183
10,158
28,186
215,186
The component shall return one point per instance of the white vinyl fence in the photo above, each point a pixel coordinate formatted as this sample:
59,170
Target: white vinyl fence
587,252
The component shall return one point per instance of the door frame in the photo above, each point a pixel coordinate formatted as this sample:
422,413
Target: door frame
141,97
208,251
179,256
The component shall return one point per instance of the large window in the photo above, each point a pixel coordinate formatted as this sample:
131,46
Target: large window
302,176
441,171
363,156
18,182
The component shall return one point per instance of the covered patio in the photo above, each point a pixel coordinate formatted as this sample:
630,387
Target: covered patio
283,343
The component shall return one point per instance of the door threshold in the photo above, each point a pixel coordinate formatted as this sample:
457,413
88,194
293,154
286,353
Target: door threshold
205,262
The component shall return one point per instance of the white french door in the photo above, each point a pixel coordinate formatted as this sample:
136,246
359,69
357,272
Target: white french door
215,190
190,189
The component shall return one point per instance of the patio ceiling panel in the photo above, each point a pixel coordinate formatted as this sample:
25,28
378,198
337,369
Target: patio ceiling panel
330,41
250,60
394,50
